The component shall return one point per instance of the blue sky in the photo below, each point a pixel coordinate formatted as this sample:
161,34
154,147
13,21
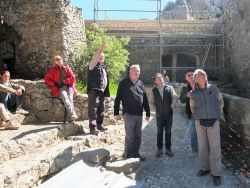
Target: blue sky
88,7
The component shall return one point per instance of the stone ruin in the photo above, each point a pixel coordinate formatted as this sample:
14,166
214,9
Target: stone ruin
33,32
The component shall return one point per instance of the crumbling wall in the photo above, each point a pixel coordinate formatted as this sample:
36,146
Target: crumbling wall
45,28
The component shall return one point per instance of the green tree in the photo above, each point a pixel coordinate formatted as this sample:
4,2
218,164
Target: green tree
116,55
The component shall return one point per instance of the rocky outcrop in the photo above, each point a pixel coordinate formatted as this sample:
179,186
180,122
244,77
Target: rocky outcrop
193,9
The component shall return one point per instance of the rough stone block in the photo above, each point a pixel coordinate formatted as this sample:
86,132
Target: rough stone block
126,166
94,156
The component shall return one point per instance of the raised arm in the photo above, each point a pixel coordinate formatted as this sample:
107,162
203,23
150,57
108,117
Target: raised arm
96,57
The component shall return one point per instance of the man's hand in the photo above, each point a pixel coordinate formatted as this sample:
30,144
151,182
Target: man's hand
116,117
18,92
103,46
188,94
59,84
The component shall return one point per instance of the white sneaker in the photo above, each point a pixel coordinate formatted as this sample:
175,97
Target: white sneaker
9,126
72,118
21,111
192,154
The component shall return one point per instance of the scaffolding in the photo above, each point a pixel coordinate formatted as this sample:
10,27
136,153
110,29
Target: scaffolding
186,31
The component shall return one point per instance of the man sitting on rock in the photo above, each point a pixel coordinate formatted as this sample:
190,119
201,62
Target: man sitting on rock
11,94
5,119
61,80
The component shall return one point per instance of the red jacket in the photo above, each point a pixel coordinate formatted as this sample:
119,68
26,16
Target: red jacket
53,76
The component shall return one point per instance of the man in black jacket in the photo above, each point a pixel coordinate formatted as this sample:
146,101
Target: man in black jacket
97,89
185,98
134,99
162,99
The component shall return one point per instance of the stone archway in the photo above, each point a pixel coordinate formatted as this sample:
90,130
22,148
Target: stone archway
9,40
177,63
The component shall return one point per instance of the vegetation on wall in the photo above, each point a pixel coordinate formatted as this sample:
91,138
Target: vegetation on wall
116,56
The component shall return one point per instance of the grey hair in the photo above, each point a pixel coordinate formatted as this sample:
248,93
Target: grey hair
137,67
198,73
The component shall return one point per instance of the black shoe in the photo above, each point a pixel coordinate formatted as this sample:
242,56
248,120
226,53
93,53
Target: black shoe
93,131
158,153
142,158
216,180
169,153
101,128
201,173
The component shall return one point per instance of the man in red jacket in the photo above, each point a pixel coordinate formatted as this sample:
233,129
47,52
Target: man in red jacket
61,80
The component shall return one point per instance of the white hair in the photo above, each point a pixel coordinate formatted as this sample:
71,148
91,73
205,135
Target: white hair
198,73
137,67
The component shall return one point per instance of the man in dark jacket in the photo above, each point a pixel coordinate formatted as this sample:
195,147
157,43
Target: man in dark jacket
185,98
162,99
132,94
97,89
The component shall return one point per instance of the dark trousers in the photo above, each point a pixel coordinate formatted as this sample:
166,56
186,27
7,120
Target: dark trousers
133,124
10,100
164,123
95,108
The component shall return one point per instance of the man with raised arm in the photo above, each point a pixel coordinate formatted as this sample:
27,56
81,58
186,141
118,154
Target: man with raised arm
97,89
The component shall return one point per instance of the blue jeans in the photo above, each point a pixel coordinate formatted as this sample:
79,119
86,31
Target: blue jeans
193,135
10,100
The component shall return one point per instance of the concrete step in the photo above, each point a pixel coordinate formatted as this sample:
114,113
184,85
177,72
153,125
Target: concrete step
29,168
26,140
25,171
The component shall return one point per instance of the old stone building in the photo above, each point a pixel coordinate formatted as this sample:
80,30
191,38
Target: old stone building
237,45
32,32
219,43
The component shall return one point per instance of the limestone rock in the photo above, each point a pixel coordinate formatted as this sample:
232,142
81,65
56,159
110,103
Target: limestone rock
94,156
182,9
70,129
127,166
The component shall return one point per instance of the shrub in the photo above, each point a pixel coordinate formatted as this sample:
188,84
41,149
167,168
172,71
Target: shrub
116,56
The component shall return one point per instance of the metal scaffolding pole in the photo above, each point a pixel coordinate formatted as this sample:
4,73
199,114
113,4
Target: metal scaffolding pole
159,29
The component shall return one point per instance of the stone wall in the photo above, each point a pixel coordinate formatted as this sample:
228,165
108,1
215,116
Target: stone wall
44,29
39,101
237,45
236,111
146,53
